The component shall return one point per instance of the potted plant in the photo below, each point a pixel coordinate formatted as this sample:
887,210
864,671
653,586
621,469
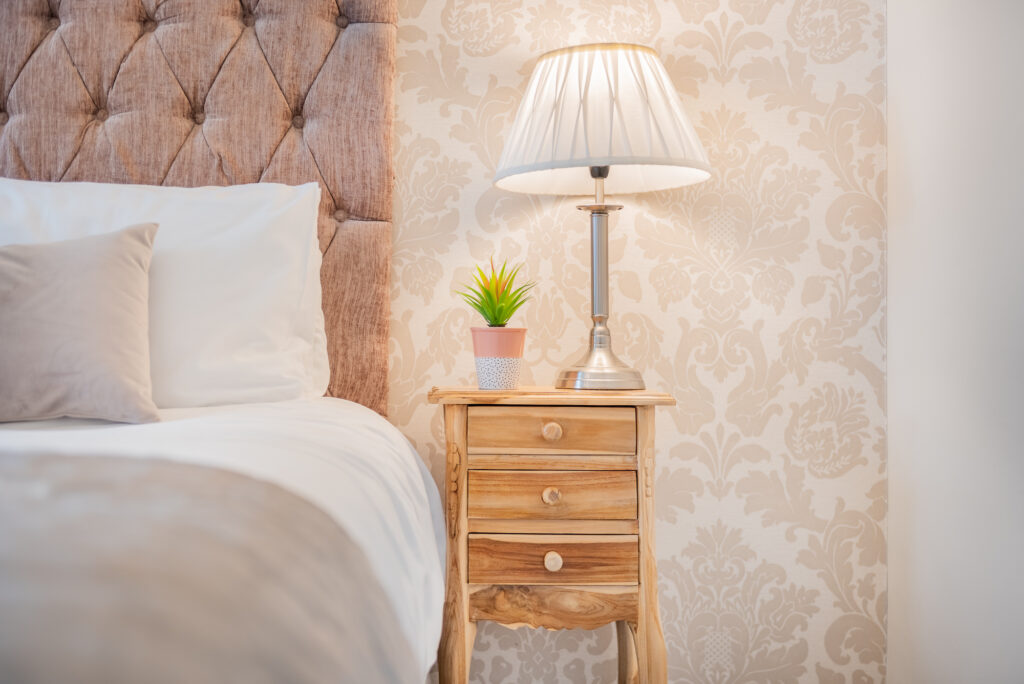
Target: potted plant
498,349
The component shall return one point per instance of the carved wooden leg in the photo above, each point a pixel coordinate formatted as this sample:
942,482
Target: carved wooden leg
455,652
650,640
628,673
459,633
650,648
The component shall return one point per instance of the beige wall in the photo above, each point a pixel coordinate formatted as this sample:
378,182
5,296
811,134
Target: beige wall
957,333
757,299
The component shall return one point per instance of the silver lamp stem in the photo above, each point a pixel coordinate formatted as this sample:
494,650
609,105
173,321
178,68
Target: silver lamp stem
599,368
599,261
599,267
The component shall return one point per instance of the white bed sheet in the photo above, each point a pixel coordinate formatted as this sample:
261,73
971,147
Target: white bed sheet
340,456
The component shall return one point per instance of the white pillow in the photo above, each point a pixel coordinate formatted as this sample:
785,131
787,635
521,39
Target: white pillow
74,328
235,310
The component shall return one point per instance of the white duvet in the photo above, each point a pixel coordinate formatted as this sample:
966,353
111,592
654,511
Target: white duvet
340,456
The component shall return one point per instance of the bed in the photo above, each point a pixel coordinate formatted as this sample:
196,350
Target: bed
284,541
288,540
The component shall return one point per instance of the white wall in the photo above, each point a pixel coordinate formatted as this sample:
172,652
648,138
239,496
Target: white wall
956,341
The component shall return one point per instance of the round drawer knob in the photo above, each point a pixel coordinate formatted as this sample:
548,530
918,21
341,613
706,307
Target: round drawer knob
552,561
552,431
551,496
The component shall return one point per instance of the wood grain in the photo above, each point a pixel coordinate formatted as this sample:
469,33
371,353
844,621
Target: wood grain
584,495
650,640
509,526
626,640
459,632
519,559
583,429
544,460
521,459
553,607
548,396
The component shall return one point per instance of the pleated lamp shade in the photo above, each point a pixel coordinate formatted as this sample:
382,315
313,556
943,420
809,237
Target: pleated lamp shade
606,104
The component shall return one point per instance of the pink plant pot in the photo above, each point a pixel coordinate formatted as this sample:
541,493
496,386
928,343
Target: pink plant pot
499,357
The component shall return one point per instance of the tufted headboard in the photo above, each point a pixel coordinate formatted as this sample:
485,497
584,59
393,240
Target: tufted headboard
221,92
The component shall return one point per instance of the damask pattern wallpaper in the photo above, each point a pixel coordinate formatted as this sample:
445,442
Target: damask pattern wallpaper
756,298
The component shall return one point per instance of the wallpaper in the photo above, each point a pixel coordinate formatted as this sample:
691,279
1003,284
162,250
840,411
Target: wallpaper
757,299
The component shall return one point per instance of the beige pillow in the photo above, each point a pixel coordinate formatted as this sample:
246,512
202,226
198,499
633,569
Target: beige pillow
74,328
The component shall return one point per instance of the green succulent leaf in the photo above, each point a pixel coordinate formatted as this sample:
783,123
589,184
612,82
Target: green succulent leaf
494,295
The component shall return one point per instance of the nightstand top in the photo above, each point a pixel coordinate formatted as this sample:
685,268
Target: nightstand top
549,396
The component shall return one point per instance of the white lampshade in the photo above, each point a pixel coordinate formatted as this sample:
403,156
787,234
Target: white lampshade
606,104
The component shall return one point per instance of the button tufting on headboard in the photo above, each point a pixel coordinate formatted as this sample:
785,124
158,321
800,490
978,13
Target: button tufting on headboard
255,85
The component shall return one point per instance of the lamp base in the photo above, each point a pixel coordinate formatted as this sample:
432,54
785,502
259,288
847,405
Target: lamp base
600,369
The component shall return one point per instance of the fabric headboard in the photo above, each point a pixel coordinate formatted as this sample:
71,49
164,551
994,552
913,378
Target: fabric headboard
221,92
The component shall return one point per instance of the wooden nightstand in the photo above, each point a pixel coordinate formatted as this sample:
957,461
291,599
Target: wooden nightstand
549,502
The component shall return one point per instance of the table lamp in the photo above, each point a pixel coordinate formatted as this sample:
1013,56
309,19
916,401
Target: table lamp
597,119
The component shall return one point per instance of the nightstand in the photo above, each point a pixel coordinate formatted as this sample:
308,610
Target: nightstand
549,507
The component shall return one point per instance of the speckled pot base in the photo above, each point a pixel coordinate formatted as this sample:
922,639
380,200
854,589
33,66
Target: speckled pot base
498,372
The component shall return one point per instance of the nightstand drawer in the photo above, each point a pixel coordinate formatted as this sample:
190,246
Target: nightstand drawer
552,429
553,495
553,559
